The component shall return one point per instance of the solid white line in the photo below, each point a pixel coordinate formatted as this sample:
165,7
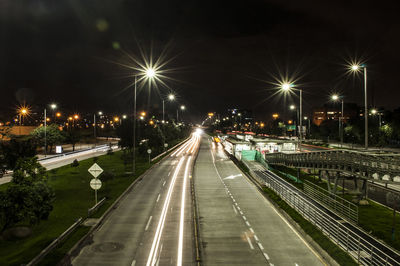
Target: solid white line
133,263
266,256
181,225
260,246
234,209
148,223
158,198
163,184
249,241
151,260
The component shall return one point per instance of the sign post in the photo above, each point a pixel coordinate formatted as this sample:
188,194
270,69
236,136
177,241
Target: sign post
95,170
149,152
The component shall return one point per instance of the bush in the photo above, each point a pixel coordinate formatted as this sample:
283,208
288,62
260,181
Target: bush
110,152
75,163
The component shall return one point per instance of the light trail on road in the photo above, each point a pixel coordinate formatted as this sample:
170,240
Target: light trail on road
152,258
181,225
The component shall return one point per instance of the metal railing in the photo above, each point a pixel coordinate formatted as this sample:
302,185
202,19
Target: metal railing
355,244
384,167
339,205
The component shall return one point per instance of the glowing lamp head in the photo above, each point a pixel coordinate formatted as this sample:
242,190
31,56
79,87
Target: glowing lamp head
171,97
76,116
286,86
150,72
124,116
24,111
355,67
292,107
116,119
53,106
374,111
58,114
335,97
183,107
100,113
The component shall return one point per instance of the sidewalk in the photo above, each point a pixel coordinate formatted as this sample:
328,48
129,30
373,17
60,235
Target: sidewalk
358,147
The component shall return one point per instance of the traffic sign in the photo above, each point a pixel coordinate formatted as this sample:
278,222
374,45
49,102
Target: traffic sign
165,145
95,170
95,183
148,151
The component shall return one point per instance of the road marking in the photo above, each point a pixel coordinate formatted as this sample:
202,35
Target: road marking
241,213
234,209
249,241
247,223
251,229
133,263
181,225
260,246
158,198
266,256
255,236
244,217
169,173
148,223
164,183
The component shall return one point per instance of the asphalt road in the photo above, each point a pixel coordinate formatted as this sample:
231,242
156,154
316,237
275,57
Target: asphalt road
152,224
238,226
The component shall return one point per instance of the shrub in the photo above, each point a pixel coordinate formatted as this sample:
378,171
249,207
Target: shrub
75,163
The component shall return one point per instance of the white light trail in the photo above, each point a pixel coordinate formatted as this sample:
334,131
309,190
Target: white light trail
152,259
181,225
182,147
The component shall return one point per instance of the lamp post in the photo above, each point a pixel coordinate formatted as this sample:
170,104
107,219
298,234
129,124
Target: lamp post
376,112
171,97
45,133
286,87
148,73
53,107
341,117
356,68
182,108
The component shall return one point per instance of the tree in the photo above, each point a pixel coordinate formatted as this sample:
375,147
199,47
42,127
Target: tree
51,135
28,199
14,149
73,136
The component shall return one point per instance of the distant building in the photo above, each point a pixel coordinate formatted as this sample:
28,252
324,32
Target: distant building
334,112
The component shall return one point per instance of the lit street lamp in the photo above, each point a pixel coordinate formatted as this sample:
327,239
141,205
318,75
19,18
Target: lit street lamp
148,73
286,87
376,112
171,97
336,97
182,108
356,68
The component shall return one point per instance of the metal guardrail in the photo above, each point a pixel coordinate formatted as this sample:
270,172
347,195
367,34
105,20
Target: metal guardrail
55,243
340,206
356,246
96,207
384,167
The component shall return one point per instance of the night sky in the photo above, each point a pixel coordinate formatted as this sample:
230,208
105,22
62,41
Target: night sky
224,54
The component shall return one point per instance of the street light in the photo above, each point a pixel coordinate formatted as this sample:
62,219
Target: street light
182,107
335,98
376,112
356,68
287,87
148,73
171,97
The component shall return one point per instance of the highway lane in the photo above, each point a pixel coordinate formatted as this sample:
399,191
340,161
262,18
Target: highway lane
152,225
238,226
